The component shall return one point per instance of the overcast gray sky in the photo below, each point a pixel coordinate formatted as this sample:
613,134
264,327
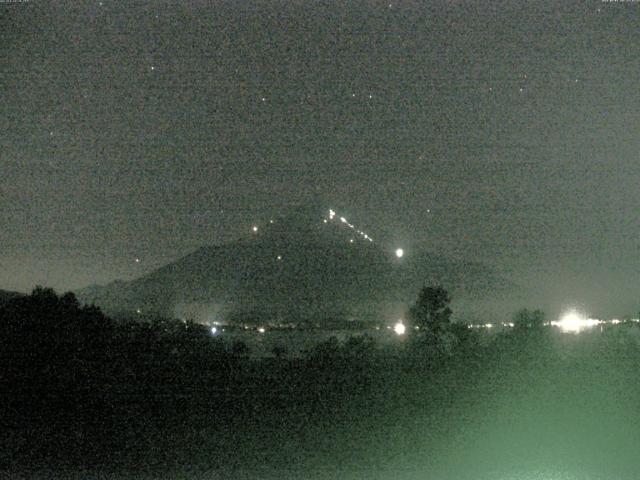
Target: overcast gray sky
498,131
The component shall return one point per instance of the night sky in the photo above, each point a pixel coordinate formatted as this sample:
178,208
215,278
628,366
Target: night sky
505,132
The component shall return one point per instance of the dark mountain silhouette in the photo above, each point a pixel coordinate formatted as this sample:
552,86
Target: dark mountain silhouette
305,266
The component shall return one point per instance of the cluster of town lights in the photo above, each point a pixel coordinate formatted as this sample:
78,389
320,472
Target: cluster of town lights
573,322
570,322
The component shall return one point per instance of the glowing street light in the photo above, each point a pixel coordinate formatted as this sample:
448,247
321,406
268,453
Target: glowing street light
573,322
255,229
399,253
399,328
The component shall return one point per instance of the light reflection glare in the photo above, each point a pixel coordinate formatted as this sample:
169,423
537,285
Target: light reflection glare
573,322
399,328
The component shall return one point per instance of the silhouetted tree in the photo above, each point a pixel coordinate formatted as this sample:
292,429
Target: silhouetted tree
526,319
68,301
431,311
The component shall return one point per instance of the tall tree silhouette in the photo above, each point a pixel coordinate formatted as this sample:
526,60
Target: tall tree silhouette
431,310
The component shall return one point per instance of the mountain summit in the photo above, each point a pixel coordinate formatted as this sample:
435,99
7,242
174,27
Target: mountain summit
304,266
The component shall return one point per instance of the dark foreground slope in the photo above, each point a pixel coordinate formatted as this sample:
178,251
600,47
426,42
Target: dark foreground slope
530,407
302,267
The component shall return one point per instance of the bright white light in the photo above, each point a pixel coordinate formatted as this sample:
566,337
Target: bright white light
343,220
331,214
399,328
254,228
279,257
137,260
214,330
261,330
324,220
573,322
399,253
351,240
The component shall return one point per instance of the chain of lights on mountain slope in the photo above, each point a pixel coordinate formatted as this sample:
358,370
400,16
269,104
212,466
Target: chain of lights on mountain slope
331,217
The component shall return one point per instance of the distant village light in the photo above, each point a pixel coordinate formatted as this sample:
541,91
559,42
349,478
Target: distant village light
399,253
399,328
254,228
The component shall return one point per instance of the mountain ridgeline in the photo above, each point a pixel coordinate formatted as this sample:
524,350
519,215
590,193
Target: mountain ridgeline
306,266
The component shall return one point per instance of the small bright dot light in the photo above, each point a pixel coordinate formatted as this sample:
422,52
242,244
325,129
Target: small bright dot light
137,260
399,328
325,220
343,220
254,228
331,214
214,330
279,257
399,253
261,330
351,240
